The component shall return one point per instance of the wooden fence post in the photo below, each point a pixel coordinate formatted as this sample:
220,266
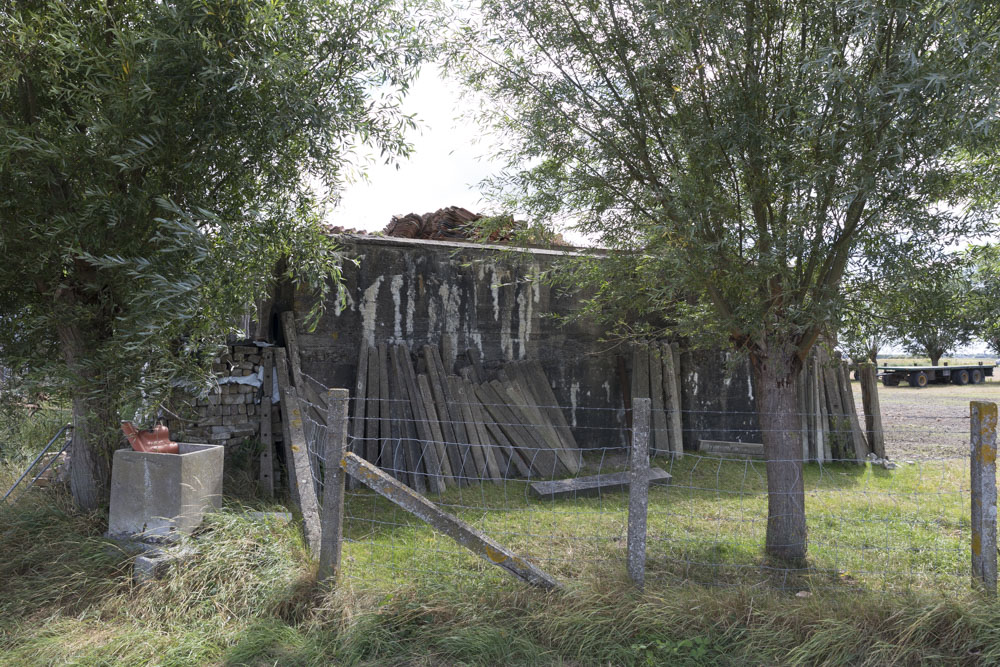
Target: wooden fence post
638,491
332,517
983,467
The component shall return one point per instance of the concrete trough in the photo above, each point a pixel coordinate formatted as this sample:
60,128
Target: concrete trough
163,495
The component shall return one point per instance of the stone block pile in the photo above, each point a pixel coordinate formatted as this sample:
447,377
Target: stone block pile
231,412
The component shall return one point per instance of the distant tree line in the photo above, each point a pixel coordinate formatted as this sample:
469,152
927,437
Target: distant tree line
928,306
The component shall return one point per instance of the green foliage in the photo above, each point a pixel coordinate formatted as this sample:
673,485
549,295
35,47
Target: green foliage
693,651
932,311
874,293
157,160
735,157
985,277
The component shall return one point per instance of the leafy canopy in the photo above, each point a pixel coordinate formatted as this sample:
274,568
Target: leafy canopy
746,151
158,158
932,312
984,261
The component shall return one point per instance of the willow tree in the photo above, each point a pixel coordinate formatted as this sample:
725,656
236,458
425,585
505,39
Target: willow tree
156,160
741,152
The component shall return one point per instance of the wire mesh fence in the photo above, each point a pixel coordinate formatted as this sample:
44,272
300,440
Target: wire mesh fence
887,524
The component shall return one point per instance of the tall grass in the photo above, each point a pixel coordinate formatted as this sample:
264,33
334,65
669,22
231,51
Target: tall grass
249,596
888,582
24,431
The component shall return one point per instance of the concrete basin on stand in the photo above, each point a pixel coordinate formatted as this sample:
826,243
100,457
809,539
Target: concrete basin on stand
162,495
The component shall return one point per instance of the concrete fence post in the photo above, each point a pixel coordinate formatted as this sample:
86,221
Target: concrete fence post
638,491
332,518
983,467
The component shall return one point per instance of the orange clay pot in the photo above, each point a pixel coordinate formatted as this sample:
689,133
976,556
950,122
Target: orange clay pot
155,441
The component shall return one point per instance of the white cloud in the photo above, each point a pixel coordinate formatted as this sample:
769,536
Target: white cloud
450,158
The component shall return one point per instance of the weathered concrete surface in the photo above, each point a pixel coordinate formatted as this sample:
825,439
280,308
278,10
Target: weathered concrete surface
332,517
747,450
163,494
983,471
718,398
593,485
156,563
463,295
638,491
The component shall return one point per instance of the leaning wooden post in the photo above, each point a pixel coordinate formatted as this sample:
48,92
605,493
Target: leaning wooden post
332,517
638,491
983,466
868,375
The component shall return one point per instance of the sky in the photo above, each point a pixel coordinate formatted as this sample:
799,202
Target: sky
449,159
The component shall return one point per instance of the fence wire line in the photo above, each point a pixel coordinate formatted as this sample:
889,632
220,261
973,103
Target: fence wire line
868,527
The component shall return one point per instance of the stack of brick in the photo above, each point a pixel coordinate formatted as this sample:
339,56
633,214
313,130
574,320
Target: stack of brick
231,412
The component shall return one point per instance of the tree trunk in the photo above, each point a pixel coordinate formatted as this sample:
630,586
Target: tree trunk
94,426
775,372
935,357
94,442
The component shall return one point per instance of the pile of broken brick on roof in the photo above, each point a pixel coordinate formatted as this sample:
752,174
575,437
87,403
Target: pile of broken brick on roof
453,223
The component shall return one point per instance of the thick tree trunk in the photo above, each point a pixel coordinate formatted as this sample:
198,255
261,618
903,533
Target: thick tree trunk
94,443
935,357
94,426
775,372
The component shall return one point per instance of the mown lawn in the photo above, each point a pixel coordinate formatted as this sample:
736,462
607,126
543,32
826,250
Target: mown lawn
869,528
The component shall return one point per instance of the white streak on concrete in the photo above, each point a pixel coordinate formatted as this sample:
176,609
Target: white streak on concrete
396,287
750,387
369,306
450,324
574,391
432,316
506,342
525,311
347,303
476,338
411,300
495,291
607,390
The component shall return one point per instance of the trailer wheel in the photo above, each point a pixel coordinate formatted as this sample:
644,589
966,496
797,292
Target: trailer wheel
977,376
918,380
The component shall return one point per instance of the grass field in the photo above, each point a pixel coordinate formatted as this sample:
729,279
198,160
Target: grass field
887,581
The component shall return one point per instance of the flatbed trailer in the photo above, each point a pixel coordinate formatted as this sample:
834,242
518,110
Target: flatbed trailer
921,376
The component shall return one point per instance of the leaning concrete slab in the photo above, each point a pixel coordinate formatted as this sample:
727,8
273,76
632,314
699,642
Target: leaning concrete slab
593,485
736,450
164,494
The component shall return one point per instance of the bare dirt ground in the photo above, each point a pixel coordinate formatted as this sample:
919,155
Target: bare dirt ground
932,422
